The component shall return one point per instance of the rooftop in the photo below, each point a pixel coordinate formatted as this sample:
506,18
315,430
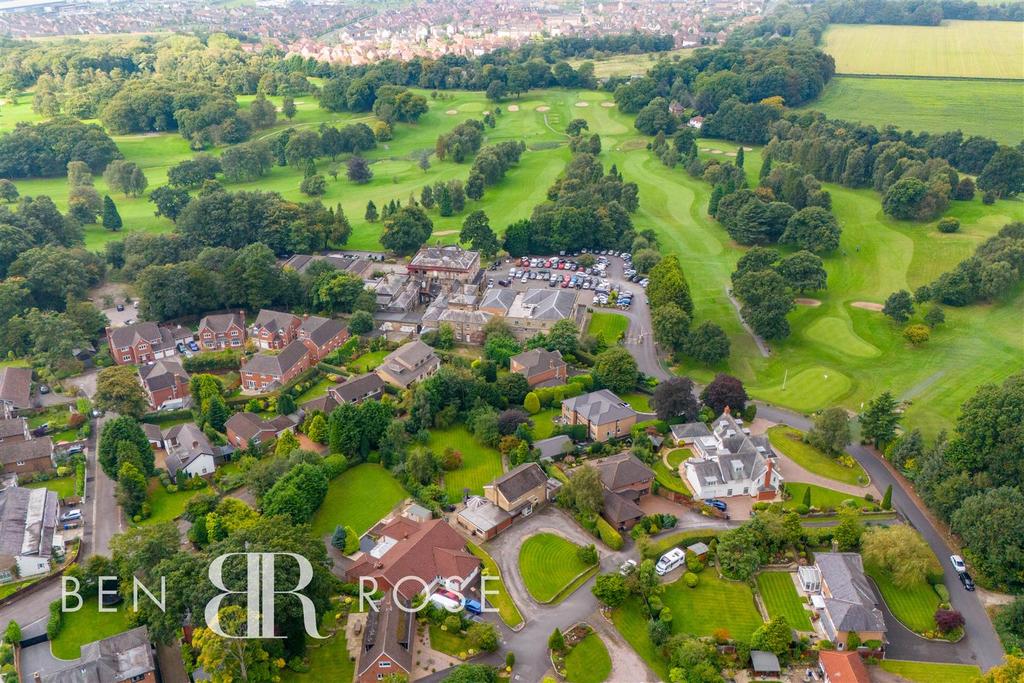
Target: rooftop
600,407
448,257
16,386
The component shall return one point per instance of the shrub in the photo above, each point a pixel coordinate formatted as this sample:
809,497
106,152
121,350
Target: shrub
610,537
334,465
56,622
949,224
948,620
942,592
802,509
691,579
587,554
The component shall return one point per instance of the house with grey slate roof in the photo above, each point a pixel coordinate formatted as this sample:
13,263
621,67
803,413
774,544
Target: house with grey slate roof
843,597
727,460
124,657
605,415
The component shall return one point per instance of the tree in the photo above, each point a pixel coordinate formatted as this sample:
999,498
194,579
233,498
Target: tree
476,230
886,498
234,658
616,369
118,390
125,177
338,537
286,443
131,489
297,495
472,673
313,186
831,431
576,126
610,589
531,403
724,391
739,158
934,317
767,300
668,285
776,636
585,492
371,212
878,422
12,634
1009,623
814,229
917,334
556,642
424,162
1004,173
899,306
707,344
904,198
671,325
803,271
170,201
358,170
500,348
849,531
900,550
285,404
1011,672
111,218
674,398
317,431
361,322
483,636
991,523
406,231
117,431
288,107
948,225
8,190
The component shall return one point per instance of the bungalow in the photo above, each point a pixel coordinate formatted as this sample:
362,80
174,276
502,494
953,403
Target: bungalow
28,531
728,461
404,549
267,371
15,390
189,451
408,364
144,342
842,667
27,456
516,493
275,330
246,430
358,389
321,335
605,415
222,331
626,480
842,595
540,367
166,382
387,642
121,658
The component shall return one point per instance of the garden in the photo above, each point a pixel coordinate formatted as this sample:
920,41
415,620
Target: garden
609,327
358,498
928,672
325,659
480,464
579,655
501,600
781,599
789,442
821,498
553,567
85,626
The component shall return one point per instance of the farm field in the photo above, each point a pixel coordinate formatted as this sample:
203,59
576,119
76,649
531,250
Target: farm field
588,662
480,464
781,599
969,49
927,672
358,497
549,566
788,441
933,105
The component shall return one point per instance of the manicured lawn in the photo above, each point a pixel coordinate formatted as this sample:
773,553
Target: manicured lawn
480,464
165,506
548,565
501,599
640,402
328,660
358,498
64,487
676,457
608,326
681,539
588,662
788,442
15,586
670,479
914,606
367,361
87,625
631,621
543,423
315,391
927,672
447,642
781,599
821,497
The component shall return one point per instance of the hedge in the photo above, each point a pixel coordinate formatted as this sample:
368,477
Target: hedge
213,360
56,622
610,537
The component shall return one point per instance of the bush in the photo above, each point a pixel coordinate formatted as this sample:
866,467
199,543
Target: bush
212,360
610,537
949,224
948,620
942,592
56,622
802,509
691,579
334,465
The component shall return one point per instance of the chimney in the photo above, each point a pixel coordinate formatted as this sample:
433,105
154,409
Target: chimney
768,474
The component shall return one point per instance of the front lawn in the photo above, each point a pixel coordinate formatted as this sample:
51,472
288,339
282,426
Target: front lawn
367,361
588,661
447,642
631,621
358,498
927,672
501,600
480,464
87,625
165,506
781,599
789,442
821,497
328,660
914,606
670,479
549,566
676,457
608,326
641,403
63,487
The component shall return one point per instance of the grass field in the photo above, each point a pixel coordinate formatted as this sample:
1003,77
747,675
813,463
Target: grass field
588,662
63,487
608,326
914,606
165,506
358,498
821,497
933,105
978,49
927,672
502,600
548,565
480,464
87,625
630,65
788,441
781,599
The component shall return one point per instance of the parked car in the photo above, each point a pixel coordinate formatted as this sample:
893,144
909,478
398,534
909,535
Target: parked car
717,504
958,563
181,347
120,307
71,515
41,430
43,389
472,606
628,567
72,450
967,581
194,346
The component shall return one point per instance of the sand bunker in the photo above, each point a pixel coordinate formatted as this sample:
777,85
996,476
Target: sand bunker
608,105
730,154
583,104
813,303
513,107
716,151
867,305
748,149
451,112
543,108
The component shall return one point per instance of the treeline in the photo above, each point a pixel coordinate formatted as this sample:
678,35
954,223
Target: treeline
708,78
995,269
44,149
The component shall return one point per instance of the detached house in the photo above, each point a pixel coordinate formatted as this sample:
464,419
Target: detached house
15,390
14,429
842,595
267,371
245,430
28,531
408,364
727,460
275,330
540,367
222,331
625,481
189,450
321,335
516,493
166,382
144,342
124,658
358,389
27,456
387,642
605,415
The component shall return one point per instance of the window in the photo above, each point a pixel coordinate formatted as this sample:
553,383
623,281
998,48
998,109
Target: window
385,665
126,358
20,463
250,384
234,333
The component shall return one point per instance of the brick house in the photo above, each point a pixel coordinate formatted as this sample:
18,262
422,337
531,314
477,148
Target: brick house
605,415
144,342
15,390
358,389
445,263
166,382
27,457
626,480
275,330
408,364
222,331
321,335
245,430
842,667
516,493
843,597
267,371
387,642
14,429
540,367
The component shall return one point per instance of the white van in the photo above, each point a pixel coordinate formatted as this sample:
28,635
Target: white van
669,561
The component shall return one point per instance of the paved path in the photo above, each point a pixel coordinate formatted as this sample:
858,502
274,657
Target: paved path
795,473
626,663
762,345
